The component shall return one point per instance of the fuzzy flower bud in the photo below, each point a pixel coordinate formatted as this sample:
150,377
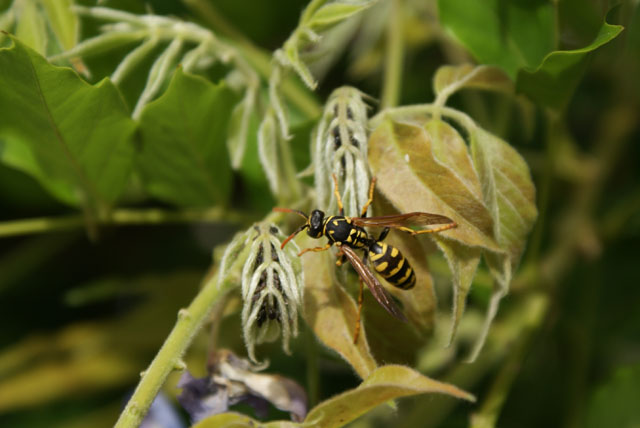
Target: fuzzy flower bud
340,148
271,281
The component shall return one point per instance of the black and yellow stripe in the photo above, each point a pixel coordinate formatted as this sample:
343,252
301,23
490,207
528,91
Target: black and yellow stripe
340,230
389,262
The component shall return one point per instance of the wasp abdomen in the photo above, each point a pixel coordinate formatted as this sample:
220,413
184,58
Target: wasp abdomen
389,262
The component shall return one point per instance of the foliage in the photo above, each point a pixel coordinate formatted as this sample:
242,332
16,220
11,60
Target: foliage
119,114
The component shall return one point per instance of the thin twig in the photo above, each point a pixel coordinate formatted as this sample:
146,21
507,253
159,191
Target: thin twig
391,86
118,217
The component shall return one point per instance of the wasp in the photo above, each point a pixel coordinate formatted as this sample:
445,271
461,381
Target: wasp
349,235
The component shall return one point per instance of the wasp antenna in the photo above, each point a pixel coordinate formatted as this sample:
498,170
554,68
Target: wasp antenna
290,237
289,210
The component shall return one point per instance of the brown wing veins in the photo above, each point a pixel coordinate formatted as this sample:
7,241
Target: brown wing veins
402,220
381,295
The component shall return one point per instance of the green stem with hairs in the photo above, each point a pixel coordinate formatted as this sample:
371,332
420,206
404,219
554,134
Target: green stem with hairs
169,357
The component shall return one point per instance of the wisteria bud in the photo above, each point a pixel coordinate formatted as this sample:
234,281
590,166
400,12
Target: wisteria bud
272,285
340,148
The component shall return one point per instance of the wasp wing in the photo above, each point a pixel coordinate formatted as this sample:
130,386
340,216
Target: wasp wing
382,296
402,220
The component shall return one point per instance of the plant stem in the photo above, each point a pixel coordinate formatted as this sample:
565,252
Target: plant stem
169,356
118,217
391,85
313,372
417,109
259,59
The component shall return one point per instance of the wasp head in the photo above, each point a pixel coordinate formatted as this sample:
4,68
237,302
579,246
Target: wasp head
315,224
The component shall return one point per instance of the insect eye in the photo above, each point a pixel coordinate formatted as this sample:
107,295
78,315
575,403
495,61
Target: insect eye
315,221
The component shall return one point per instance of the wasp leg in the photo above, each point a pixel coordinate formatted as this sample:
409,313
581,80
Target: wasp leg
384,234
315,250
337,193
340,260
366,206
356,333
434,230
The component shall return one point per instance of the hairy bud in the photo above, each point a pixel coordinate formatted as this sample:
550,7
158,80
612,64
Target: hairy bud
271,281
340,148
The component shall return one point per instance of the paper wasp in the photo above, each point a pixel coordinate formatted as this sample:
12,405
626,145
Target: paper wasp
348,234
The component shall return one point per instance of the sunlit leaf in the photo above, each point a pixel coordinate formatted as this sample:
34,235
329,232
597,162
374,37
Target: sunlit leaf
237,420
74,138
184,155
334,13
463,262
508,190
384,384
510,195
449,79
429,169
417,173
331,312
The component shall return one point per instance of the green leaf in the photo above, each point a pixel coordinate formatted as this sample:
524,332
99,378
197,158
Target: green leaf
63,21
520,37
74,138
553,81
31,28
491,198
384,384
331,312
428,169
449,79
509,194
511,35
184,157
238,420
334,13
508,190
463,263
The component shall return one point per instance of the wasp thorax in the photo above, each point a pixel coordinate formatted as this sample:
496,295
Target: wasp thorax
315,224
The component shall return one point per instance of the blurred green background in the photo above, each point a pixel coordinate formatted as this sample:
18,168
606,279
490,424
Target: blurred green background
81,318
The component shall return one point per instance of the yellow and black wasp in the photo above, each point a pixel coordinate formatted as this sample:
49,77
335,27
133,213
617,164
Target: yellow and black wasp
348,234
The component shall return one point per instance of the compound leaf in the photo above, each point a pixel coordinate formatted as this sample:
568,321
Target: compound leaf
184,157
74,138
